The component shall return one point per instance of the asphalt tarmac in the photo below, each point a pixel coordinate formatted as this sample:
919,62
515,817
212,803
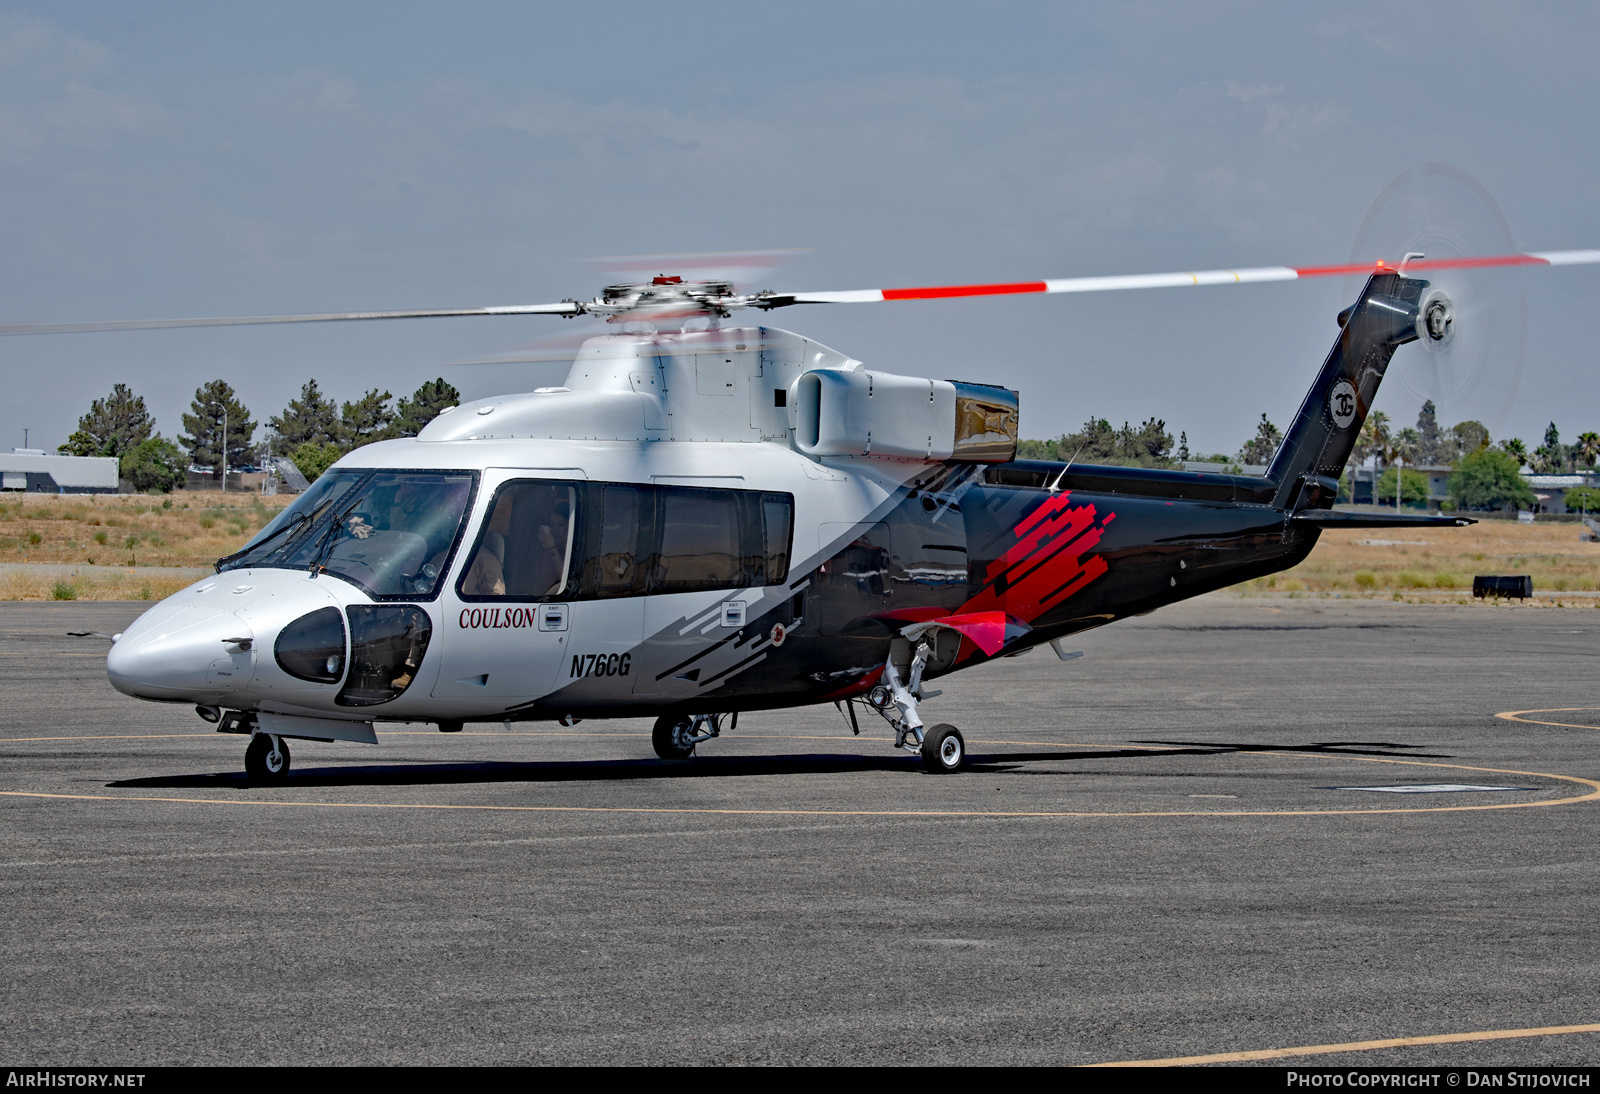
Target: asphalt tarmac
1155,854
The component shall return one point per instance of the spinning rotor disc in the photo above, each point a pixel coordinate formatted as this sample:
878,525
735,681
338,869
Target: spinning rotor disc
1473,371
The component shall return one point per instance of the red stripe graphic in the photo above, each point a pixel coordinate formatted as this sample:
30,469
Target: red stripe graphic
1046,565
940,292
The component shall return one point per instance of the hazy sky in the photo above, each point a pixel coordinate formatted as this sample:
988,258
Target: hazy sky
176,159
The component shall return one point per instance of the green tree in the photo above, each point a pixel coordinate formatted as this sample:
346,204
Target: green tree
424,405
1588,448
1489,479
365,420
1037,450
1517,450
1374,439
1264,445
155,466
1583,499
1406,445
1413,487
215,404
1096,442
1551,457
308,418
1150,445
113,425
1432,447
1467,437
313,458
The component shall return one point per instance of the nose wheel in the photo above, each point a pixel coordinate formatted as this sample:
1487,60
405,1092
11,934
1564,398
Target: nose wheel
943,750
266,761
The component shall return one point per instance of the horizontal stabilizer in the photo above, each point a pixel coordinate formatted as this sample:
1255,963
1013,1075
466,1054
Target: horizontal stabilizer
1328,518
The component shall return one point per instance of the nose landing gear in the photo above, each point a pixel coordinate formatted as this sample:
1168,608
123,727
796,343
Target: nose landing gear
266,761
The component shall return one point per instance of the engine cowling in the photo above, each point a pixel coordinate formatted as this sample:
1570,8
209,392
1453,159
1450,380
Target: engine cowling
885,416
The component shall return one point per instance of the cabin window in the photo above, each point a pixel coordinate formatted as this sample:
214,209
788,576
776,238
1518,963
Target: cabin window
622,520
777,524
525,549
599,541
700,534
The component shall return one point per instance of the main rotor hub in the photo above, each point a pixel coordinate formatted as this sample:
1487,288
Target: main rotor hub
667,297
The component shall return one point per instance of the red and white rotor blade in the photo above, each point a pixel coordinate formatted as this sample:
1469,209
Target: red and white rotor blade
565,308
1190,277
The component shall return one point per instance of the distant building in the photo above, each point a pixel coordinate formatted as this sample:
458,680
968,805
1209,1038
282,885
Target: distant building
31,470
1551,490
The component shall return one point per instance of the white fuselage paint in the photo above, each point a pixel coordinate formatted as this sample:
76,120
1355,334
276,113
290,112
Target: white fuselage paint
635,409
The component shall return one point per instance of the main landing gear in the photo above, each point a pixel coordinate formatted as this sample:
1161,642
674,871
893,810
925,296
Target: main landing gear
675,735
942,748
266,761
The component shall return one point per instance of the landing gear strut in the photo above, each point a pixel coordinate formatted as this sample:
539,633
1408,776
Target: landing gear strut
942,748
675,735
266,761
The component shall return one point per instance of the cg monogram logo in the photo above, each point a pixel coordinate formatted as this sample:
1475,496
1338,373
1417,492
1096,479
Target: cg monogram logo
1342,403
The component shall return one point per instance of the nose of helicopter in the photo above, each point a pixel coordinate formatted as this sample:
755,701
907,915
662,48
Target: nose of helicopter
185,654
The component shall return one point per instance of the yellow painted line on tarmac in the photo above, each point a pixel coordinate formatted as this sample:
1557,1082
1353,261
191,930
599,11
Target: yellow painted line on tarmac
1593,792
1354,1046
1517,716
108,737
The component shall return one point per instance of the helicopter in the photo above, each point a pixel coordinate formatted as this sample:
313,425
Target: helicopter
704,522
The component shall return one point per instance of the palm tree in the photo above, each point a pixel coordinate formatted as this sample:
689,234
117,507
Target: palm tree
1374,437
1589,447
1406,445
1516,450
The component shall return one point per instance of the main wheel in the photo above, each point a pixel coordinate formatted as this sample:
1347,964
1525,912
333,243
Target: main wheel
265,764
943,749
673,737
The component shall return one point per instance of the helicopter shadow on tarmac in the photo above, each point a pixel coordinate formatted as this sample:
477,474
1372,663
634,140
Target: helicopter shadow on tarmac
602,771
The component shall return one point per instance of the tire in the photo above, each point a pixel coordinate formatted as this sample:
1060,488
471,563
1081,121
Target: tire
671,736
944,751
258,760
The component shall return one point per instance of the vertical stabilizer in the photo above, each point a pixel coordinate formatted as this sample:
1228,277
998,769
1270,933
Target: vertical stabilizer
1320,439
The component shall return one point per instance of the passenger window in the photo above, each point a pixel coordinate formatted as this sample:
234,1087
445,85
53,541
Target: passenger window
777,523
525,549
613,566
699,541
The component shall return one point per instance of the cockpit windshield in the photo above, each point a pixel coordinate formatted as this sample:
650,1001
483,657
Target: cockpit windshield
390,532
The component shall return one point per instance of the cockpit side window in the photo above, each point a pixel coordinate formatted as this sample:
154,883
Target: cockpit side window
526,548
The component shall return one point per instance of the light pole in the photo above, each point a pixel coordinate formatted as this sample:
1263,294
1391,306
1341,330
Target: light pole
224,448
